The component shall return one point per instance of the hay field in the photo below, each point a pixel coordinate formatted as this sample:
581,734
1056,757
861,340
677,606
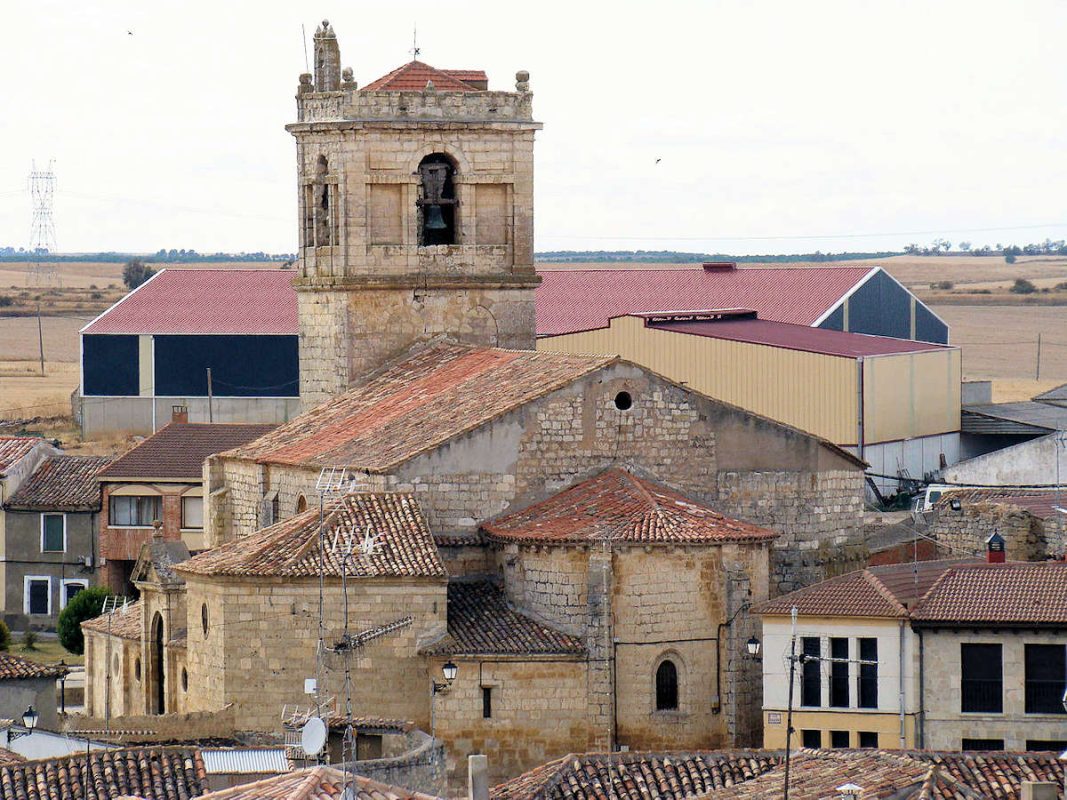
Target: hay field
86,274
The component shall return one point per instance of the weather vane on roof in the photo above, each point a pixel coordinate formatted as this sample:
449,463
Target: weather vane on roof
415,43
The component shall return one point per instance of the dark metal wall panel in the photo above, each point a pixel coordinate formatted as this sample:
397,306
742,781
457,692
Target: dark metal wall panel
110,366
928,328
836,320
241,366
880,307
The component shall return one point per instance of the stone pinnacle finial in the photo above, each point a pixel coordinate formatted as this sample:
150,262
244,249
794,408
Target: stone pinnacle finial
157,530
522,81
305,83
348,79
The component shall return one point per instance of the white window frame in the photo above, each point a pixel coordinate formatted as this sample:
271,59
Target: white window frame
64,583
26,594
185,497
54,514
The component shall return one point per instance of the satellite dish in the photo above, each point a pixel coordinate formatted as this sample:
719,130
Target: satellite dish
313,736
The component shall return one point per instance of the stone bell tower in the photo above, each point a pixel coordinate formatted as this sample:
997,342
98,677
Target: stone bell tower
416,215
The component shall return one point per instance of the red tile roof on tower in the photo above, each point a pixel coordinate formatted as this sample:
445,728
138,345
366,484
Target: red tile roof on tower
581,300
617,506
205,301
412,77
403,547
178,450
481,623
61,483
416,404
14,448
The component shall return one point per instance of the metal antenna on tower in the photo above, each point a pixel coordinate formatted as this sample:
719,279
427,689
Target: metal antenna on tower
42,186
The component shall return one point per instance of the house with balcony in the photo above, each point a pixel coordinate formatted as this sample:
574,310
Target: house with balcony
943,655
159,483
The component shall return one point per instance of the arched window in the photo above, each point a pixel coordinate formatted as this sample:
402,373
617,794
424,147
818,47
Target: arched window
667,686
437,200
301,504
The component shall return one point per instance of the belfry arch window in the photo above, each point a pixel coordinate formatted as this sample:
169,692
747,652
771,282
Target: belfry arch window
437,200
320,207
667,686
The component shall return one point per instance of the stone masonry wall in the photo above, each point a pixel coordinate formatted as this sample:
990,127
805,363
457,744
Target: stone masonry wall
964,532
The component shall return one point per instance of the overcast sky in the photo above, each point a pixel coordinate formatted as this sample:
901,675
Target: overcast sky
782,126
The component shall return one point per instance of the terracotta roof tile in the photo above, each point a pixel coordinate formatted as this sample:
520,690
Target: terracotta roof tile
637,776
14,448
315,783
178,450
620,507
412,77
152,773
126,622
432,395
1042,504
403,546
480,622
13,668
1012,593
9,757
61,483
580,300
198,301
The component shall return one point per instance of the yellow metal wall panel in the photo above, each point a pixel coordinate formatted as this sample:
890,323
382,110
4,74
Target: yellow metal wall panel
911,394
811,391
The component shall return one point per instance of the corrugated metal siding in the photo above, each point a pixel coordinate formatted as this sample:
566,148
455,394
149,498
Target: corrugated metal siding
257,760
911,394
811,391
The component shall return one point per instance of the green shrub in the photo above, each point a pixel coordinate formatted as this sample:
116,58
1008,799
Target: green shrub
86,604
1061,287
6,300
29,639
942,285
1023,286
1010,258
5,636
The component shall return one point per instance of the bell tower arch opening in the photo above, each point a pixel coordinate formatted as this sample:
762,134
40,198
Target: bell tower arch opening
158,693
437,202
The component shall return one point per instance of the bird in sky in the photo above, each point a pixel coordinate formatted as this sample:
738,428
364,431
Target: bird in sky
130,33
658,160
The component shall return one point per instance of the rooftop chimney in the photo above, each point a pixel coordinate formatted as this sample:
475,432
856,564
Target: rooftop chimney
994,549
720,266
179,413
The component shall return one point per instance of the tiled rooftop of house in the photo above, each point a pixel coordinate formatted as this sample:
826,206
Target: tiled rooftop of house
412,77
9,757
637,776
61,483
14,448
412,406
580,300
933,592
125,622
618,506
481,622
315,783
815,775
13,668
178,451
199,301
403,546
151,773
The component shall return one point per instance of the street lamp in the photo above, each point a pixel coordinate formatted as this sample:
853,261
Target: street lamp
29,722
449,670
753,646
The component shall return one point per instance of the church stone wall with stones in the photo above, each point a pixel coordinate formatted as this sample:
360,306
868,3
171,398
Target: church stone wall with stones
539,712
268,627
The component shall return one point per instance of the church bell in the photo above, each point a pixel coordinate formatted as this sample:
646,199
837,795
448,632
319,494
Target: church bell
435,221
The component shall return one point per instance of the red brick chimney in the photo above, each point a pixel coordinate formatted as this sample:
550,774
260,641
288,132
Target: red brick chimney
179,413
995,549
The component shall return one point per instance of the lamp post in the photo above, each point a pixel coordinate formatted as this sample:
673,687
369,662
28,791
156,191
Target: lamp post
29,722
449,670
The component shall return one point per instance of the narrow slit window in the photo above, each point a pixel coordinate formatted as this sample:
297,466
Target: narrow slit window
667,687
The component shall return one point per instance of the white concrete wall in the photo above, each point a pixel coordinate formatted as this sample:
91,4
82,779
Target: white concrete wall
134,414
776,642
919,456
1031,463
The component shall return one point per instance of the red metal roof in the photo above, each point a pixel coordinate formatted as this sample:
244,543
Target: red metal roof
205,301
412,77
580,300
798,337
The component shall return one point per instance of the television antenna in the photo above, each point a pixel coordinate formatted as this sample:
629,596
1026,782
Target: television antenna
42,187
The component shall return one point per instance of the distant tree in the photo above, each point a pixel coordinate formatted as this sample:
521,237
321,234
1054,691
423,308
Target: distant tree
1023,286
6,300
135,273
1010,258
87,604
965,246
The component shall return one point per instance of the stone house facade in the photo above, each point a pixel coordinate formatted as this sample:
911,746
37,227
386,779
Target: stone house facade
49,543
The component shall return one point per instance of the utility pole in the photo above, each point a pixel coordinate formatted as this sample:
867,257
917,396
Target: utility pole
40,336
1038,356
210,399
